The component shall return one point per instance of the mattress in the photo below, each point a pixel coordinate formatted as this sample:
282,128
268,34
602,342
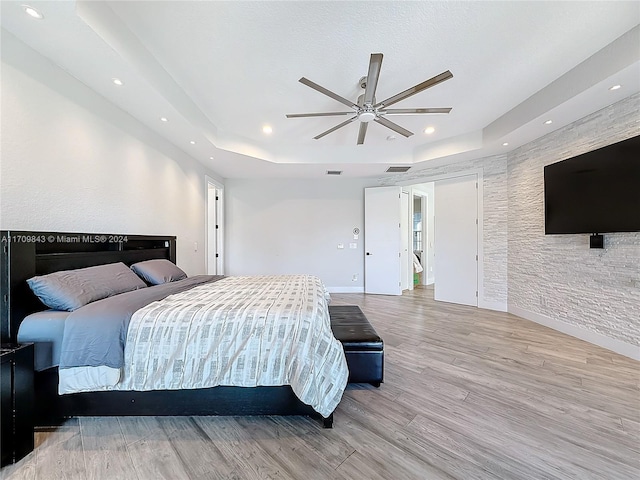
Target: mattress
238,331
45,329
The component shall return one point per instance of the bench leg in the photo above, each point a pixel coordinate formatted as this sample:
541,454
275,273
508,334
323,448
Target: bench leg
375,384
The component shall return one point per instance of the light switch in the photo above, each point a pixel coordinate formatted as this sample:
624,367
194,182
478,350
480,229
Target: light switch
341,245
355,236
353,245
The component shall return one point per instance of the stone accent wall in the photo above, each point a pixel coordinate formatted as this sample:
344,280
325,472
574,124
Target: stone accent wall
559,276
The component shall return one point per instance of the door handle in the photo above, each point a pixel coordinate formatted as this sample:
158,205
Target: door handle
368,253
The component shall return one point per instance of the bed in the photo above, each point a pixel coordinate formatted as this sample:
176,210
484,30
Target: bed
37,254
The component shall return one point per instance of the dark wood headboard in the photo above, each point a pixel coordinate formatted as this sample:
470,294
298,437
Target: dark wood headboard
26,254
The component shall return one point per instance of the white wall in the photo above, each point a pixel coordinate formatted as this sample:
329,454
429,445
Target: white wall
557,279
294,226
86,166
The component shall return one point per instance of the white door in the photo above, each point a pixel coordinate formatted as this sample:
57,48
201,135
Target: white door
382,240
215,229
456,240
212,227
405,281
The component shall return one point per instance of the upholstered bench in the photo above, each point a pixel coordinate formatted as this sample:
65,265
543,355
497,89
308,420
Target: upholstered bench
362,345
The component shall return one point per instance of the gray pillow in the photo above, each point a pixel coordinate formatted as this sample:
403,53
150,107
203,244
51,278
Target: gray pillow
158,271
72,289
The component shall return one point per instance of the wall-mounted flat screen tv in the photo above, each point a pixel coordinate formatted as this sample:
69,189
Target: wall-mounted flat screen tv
596,192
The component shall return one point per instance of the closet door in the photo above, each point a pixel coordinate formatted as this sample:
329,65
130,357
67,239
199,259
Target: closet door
456,240
382,241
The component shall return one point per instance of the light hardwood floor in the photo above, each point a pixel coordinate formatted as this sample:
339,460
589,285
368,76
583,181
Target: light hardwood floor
468,394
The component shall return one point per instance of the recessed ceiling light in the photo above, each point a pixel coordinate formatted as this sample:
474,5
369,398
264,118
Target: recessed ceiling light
429,130
615,87
267,129
164,119
548,122
117,81
505,144
210,158
32,12
192,142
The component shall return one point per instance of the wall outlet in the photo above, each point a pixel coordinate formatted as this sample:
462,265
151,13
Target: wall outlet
341,245
354,278
353,245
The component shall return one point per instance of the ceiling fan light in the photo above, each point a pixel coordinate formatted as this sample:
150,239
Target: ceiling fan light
366,116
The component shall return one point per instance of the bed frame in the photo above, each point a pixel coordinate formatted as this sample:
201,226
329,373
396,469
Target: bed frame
25,254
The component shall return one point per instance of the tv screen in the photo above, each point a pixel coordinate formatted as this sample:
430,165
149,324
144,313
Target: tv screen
596,192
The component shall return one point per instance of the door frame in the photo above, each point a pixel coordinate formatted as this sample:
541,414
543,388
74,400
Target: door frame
424,201
480,236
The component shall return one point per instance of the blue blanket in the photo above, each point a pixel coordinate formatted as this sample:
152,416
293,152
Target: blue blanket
95,334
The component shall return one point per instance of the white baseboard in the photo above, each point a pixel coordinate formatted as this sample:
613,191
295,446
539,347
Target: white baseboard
345,289
618,346
497,306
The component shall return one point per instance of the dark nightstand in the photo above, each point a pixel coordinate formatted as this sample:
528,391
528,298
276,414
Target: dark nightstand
16,410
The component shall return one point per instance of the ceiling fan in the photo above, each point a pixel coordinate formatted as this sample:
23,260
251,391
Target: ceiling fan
366,109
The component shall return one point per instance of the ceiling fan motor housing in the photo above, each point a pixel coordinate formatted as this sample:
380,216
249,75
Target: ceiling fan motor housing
366,115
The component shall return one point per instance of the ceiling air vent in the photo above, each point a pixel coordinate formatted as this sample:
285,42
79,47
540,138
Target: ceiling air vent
397,169
334,172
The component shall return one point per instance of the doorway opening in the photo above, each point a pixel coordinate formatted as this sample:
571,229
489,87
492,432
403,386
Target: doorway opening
447,211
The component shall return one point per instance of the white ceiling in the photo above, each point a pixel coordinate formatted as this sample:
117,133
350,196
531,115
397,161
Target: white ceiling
219,71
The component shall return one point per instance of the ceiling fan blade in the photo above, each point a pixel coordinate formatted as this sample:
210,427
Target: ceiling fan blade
362,132
325,114
372,77
412,111
328,93
340,125
416,89
393,126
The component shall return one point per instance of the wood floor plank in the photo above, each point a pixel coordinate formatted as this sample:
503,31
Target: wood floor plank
135,429
25,469
200,458
239,448
61,459
151,451
386,456
104,448
326,442
460,455
296,457
605,455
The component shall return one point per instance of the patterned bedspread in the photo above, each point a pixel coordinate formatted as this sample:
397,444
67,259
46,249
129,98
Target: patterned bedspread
239,331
